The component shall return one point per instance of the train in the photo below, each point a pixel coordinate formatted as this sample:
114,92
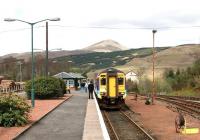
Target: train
111,88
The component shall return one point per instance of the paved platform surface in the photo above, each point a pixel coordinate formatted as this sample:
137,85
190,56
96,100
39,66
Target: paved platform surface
41,109
92,128
64,123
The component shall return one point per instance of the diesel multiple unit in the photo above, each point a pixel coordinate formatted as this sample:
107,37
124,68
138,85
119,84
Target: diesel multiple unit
110,88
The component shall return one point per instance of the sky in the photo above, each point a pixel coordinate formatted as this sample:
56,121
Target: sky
85,22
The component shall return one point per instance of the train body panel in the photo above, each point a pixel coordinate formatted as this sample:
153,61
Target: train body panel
111,89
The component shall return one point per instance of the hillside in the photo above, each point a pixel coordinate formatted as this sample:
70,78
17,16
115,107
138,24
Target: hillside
106,46
102,46
84,61
52,54
175,57
100,60
180,56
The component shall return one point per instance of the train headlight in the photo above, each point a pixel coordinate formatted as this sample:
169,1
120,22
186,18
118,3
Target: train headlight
103,93
124,96
99,96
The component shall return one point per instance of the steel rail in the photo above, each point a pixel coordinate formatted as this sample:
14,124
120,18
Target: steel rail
133,122
191,110
181,97
188,104
110,124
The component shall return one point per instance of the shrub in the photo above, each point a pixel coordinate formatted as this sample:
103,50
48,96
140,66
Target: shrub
145,86
185,78
63,86
132,86
13,110
45,88
161,86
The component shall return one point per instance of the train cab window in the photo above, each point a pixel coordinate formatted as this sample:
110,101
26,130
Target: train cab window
120,81
103,81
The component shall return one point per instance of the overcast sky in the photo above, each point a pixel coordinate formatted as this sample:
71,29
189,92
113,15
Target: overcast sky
128,22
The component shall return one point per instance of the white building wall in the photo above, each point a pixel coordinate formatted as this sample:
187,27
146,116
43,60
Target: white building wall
132,76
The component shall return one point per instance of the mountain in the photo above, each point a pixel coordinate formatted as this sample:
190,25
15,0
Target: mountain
116,55
139,60
106,46
101,60
51,54
102,46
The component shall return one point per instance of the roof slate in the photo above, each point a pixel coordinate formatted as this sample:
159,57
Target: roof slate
65,75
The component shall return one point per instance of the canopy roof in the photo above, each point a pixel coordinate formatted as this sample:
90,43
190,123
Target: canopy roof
65,75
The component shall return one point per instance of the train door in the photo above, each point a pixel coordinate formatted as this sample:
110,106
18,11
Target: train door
112,86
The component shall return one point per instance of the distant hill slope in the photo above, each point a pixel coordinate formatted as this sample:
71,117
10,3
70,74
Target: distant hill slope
99,60
102,46
180,56
106,46
139,60
176,57
52,54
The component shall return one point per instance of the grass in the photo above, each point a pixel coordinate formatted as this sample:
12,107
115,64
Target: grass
185,92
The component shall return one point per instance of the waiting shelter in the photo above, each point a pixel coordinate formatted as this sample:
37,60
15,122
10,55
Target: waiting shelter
73,80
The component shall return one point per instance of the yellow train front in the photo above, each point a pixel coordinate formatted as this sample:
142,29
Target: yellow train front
110,88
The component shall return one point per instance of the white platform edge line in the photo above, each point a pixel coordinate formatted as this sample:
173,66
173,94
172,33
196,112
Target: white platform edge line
103,126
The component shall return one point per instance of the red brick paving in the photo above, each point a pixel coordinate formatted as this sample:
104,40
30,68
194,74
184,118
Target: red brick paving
159,120
42,107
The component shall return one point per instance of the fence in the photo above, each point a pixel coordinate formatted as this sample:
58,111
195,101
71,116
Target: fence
16,88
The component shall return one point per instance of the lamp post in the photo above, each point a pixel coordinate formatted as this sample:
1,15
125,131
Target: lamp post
47,49
32,56
153,88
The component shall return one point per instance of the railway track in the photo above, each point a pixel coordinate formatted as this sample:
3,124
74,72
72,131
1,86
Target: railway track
183,97
188,106
122,127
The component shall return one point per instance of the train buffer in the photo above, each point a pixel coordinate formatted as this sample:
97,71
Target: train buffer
181,125
190,131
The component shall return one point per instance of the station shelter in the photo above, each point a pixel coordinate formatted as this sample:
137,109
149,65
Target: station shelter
72,80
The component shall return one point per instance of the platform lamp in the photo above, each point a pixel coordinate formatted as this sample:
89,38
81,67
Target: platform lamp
32,55
153,59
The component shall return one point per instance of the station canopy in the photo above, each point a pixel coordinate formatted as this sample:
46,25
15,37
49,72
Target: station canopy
65,75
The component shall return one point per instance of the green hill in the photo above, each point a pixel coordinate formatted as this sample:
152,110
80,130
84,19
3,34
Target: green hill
100,60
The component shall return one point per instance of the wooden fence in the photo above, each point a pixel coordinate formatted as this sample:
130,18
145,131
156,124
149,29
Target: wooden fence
16,88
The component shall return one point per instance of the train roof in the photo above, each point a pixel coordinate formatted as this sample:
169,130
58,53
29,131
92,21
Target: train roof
111,70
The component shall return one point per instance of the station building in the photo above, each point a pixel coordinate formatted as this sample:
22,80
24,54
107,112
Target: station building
71,79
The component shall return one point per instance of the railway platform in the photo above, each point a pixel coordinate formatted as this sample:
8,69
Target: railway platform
76,119
94,128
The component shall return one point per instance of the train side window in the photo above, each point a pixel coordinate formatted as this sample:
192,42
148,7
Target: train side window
120,81
103,81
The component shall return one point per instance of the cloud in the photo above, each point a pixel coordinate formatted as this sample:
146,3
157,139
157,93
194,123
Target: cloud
108,13
161,20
